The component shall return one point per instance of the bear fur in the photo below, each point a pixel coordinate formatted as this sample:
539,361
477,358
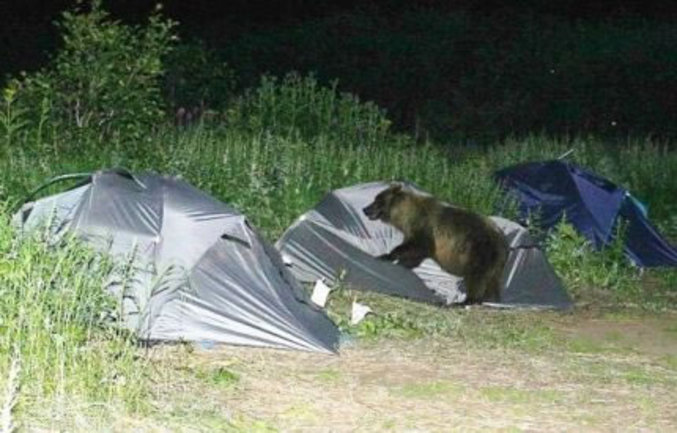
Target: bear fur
462,242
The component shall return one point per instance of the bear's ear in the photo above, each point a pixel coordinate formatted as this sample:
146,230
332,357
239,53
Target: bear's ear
396,187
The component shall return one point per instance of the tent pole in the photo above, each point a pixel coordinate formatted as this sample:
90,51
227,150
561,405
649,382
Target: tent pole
50,182
567,153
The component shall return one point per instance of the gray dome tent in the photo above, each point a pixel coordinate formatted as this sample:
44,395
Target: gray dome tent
201,272
336,238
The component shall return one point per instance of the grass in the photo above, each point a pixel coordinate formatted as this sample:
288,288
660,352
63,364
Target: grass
274,162
435,364
429,390
589,345
52,306
219,376
670,361
275,178
329,375
11,396
54,324
519,396
395,318
404,384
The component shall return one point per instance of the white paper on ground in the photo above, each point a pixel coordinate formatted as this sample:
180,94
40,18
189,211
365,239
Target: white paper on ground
359,312
320,293
286,260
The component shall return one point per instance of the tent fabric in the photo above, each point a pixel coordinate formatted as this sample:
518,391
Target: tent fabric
335,241
200,271
553,190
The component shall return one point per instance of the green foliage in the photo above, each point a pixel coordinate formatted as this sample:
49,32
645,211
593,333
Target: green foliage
300,105
396,318
481,77
219,376
391,317
388,324
11,118
197,77
430,390
287,143
106,76
583,268
505,329
521,396
55,313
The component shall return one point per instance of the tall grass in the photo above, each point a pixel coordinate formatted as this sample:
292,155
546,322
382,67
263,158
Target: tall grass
53,317
274,178
281,167
7,423
285,144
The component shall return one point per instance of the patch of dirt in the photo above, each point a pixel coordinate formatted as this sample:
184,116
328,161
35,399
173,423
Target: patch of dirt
641,333
440,385
611,372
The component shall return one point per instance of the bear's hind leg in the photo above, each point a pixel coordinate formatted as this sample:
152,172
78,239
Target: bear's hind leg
475,287
494,285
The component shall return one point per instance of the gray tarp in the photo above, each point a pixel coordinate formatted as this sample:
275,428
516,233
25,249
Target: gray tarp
336,238
200,271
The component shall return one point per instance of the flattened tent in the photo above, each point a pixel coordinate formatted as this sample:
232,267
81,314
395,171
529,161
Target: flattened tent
201,272
336,238
593,204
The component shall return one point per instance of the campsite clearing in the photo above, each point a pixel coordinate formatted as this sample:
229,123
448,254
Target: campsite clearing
524,371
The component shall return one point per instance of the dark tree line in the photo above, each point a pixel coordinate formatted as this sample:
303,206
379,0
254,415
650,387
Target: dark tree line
27,33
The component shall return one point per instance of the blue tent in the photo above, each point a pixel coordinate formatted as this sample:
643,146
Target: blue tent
591,203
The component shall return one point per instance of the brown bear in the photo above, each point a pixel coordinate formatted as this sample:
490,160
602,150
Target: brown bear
462,242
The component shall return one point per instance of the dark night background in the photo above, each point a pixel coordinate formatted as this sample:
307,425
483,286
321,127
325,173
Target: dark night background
28,32
475,78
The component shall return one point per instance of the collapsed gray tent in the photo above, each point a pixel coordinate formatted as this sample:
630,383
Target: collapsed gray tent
336,238
201,272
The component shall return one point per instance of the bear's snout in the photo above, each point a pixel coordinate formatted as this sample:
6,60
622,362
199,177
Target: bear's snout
372,212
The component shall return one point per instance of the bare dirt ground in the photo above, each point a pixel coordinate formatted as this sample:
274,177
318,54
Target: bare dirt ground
531,372
596,373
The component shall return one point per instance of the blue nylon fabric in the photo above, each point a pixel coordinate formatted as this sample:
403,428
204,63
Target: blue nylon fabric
592,204
644,244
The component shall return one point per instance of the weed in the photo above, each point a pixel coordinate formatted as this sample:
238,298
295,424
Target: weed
241,424
504,330
329,376
519,396
219,376
7,423
670,361
11,117
430,390
54,314
640,376
583,268
588,345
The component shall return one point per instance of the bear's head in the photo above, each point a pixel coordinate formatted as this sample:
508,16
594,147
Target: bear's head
382,205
